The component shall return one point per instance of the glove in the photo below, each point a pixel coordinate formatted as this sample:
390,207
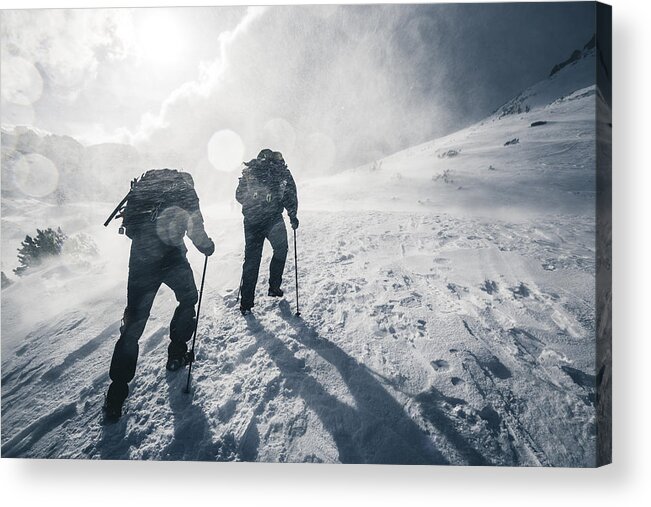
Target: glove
294,221
207,248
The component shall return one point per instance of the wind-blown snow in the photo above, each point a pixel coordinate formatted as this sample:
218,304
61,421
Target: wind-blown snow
448,316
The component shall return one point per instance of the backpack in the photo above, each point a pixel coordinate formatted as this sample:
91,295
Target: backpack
155,191
265,184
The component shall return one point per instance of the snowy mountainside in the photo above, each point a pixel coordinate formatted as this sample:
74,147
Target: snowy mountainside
448,317
77,171
578,71
549,167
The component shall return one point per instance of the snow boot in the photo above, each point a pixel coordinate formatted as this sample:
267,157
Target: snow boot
175,363
112,411
245,309
276,292
113,402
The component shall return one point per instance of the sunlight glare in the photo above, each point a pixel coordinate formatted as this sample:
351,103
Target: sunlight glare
161,38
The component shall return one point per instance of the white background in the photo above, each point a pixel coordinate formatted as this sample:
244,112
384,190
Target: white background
626,482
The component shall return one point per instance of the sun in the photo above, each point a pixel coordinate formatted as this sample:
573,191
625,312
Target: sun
160,38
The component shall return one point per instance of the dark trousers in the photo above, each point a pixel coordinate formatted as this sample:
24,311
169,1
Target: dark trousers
254,235
146,274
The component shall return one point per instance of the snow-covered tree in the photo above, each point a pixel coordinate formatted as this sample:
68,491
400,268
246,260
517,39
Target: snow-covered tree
47,243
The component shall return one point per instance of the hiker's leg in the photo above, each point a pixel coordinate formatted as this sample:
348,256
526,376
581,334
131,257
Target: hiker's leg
179,277
254,240
141,291
277,236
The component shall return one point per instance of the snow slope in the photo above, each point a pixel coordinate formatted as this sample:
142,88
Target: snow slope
447,299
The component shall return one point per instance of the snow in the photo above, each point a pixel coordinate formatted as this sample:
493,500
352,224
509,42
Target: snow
448,315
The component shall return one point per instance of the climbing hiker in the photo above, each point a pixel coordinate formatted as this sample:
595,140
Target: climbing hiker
265,189
161,208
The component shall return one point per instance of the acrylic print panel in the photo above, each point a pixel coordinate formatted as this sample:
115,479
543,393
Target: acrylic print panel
396,220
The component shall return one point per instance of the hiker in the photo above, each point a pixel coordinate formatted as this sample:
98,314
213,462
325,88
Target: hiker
265,189
161,208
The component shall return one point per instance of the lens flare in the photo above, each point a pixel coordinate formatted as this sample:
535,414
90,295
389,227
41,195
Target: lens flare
17,114
22,83
171,225
35,175
225,150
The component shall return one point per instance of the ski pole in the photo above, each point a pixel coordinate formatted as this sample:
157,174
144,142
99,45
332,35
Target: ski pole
196,325
298,313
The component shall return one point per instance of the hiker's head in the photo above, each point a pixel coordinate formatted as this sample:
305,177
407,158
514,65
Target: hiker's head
266,155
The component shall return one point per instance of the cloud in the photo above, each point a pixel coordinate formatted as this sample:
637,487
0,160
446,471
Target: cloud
183,102
65,45
308,80
330,86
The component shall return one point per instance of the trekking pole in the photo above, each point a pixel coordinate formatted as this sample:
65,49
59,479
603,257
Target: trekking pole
116,210
298,313
196,325
239,290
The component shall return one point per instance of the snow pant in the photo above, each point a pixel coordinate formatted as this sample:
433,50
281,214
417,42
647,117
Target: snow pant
254,235
146,274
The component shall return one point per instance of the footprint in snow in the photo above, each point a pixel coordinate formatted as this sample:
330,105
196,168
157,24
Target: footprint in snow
489,286
521,291
440,365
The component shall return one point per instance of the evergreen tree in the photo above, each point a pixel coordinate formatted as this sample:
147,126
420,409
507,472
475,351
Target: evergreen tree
32,251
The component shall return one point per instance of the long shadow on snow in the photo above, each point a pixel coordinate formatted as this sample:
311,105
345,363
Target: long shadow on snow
378,430
192,440
85,350
22,444
432,405
114,443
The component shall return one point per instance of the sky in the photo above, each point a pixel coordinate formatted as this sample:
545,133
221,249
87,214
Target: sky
330,86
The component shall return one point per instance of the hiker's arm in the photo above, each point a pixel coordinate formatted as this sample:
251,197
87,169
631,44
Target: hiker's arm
241,190
290,199
196,230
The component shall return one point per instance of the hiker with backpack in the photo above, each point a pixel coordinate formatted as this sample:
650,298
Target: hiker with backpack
265,190
161,208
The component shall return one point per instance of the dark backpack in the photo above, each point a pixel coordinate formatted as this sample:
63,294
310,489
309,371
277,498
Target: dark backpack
155,191
265,186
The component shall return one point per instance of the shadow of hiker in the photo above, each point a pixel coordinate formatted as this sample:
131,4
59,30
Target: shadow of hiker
82,352
431,403
113,443
371,396
377,430
192,439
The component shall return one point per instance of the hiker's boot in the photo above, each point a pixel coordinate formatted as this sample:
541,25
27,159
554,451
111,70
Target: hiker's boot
112,411
176,362
276,292
113,402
